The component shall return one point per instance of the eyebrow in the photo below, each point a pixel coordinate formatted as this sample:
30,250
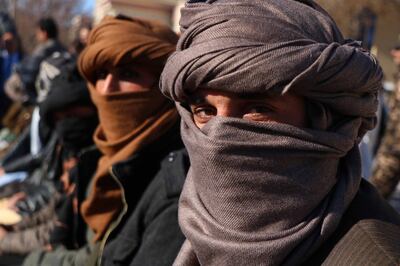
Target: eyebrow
255,96
196,99
200,99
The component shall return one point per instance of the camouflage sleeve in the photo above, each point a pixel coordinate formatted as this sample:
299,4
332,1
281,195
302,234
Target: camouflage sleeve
23,242
386,173
60,256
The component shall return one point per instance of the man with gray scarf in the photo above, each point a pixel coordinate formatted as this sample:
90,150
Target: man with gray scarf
274,102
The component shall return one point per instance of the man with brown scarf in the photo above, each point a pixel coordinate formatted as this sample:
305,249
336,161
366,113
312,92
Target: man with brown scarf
133,199
274,103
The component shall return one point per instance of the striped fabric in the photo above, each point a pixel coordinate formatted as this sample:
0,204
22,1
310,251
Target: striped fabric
369,242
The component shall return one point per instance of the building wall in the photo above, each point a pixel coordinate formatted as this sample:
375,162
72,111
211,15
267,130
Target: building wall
387,28
158,10
387,36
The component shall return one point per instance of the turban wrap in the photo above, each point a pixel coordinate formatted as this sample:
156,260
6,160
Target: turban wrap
128,120
269,193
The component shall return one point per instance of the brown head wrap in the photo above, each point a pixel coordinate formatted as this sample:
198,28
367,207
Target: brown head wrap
128,121
268,193
123,40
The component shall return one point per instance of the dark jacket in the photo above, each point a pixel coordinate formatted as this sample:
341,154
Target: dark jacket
30,66
71,232
369,226
150,235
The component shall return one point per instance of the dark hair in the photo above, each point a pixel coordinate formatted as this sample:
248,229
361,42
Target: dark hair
49,26
7,24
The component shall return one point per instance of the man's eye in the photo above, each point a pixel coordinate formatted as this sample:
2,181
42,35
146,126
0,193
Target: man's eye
260,113
101,74
204,111
128,75
261,109
202,114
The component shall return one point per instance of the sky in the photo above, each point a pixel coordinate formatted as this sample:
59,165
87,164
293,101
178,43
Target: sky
88,5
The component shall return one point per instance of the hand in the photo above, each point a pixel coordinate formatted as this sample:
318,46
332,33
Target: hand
3,232
2,172
13,200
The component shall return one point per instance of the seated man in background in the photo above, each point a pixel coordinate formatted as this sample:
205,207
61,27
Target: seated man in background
10,55
24,87
274,103
131,208
70,114
386,172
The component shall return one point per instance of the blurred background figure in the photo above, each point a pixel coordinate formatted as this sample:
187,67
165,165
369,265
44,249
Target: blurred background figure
47,44
26,85
10,56
367,26
33,208
386,174
79,33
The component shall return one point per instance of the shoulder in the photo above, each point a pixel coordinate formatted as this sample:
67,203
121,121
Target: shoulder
173,171
368,242
368,204
87,163
368,210
82,174
162,193
167,184
46,49
150,235
51,46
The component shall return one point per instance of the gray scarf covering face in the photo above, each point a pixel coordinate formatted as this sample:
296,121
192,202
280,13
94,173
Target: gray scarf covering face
269,193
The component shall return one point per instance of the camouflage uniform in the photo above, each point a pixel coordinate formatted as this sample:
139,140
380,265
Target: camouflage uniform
15,121
386,173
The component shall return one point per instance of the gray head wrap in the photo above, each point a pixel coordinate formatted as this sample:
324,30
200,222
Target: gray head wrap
269,194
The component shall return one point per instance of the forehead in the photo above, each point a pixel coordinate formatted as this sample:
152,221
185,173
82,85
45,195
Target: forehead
8,36
120,66
124,66
204,95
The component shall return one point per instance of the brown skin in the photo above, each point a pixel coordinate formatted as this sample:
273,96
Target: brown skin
288,108
396,56
10,42
3,232
11,202
84,35
41,35
125,78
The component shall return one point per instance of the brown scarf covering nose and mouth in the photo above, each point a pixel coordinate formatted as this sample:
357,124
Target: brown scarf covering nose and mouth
128,121
268,193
